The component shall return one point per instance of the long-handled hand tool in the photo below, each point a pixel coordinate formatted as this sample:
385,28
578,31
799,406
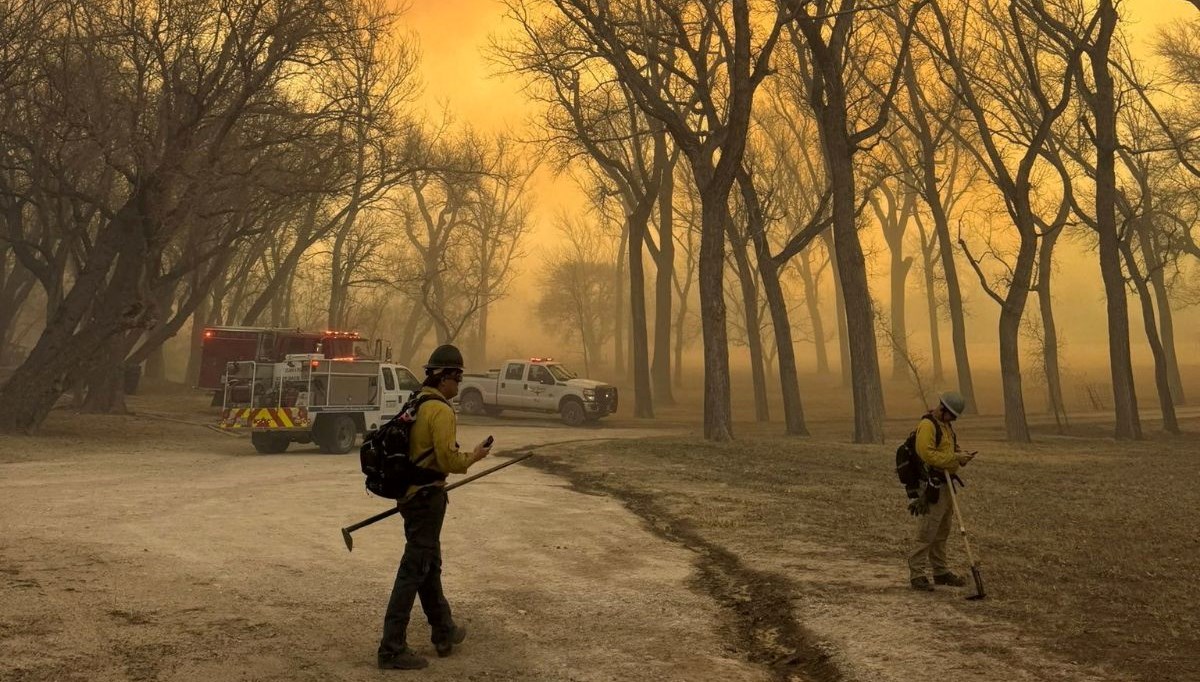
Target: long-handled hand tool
395,510
979,594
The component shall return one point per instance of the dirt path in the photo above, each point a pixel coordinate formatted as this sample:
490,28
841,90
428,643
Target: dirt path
810,610
142,550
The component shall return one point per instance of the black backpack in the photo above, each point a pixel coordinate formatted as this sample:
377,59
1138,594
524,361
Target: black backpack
384,454
910,468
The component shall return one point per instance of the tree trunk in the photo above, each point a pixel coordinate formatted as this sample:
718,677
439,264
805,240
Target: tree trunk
680,322
789,382
156,366
619,341
899,326
1011,311
1166,402
954,300
1050,364
1015,426
1128,425
931,303
812,299
109,291
762,411
106,380
643,403
664,278
1166,321
718,419
852,271
839,301
196,342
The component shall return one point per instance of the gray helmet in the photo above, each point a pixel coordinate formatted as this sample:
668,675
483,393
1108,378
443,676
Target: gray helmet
953,401
444,357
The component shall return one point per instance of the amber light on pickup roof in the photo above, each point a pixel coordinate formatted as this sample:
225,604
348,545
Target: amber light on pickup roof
541,359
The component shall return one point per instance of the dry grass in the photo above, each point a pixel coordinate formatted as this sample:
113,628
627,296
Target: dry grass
1089,546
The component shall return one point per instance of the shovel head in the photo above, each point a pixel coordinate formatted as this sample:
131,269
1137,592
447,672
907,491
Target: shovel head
349,540
979,594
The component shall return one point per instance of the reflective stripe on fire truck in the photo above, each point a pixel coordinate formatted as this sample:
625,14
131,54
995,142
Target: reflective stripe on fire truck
265,418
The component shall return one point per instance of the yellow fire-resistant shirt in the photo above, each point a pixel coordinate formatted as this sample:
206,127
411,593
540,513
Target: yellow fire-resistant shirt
941,456
436,429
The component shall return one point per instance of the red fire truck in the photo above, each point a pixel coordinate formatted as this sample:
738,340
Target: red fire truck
223,345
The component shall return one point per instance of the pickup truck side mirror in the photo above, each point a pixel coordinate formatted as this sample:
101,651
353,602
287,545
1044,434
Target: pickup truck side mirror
549,381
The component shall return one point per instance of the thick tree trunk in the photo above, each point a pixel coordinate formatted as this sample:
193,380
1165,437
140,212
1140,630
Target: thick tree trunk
749,288
156,366
643,402
1128,425
789,382
664,278
106,381
1011,311
113,303
866,387
718,419
839,301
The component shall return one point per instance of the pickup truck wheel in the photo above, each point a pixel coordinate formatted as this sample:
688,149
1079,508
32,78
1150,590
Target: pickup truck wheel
270,443
335,434
572,412
471,402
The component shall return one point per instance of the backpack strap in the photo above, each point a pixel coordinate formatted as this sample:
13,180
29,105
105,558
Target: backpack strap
937,430
418,401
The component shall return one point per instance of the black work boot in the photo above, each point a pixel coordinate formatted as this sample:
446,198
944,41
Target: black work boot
446,647
921,584
948,578
405,660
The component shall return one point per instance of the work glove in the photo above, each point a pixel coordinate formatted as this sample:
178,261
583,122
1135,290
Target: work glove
918,506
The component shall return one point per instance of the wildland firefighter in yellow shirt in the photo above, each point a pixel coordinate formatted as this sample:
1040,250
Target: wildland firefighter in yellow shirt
937,445
433,445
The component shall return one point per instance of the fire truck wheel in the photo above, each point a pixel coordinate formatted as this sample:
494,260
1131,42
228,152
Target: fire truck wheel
471,402
572,411
335,434
269,443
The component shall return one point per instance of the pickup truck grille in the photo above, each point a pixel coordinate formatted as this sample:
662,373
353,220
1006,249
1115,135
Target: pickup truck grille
606,398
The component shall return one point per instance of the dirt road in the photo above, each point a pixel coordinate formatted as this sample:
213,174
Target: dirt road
133,548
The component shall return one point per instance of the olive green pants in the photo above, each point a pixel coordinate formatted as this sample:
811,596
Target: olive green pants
932,530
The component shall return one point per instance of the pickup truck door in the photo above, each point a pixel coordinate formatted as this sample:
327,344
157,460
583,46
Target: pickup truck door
514,389
543,389
389,402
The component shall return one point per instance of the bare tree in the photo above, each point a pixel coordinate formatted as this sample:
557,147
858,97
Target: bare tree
826,42
169,103
1014,91
894,215
718,55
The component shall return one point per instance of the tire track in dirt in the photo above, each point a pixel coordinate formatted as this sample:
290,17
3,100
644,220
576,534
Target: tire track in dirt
757,604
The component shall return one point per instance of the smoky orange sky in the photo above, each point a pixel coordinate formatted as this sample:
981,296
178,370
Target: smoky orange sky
456,74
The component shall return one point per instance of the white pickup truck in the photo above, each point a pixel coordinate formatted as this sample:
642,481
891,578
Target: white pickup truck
536,385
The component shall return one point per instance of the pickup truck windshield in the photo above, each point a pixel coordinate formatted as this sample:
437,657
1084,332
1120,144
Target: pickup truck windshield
561,373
